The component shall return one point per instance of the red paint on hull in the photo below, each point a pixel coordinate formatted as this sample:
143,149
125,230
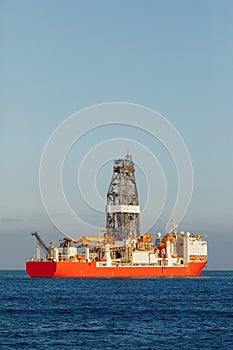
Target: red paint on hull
90,270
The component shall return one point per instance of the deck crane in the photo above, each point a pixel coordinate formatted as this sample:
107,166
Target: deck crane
41,243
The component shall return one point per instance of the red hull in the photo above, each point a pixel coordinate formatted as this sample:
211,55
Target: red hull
90,270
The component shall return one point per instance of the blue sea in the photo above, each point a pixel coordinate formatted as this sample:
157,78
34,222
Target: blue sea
164,313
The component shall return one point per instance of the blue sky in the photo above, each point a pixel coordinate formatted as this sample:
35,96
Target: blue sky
59,57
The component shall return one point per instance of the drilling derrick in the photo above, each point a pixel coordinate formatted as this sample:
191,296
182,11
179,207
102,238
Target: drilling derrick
123,211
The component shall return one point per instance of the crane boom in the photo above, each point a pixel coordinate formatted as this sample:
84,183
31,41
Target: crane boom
41,242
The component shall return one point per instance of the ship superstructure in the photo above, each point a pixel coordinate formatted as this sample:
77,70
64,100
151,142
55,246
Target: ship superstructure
122,250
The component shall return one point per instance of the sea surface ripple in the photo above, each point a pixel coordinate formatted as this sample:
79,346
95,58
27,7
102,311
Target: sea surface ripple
160,313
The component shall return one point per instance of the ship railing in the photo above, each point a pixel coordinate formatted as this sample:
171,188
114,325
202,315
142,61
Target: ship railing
38,260
118,264
145,264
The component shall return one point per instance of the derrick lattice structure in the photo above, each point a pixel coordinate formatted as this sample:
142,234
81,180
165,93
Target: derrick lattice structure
123,210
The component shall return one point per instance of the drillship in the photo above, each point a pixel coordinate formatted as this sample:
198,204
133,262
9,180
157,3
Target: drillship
121,250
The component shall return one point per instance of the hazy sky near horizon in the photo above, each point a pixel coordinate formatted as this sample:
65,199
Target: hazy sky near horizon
59,57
